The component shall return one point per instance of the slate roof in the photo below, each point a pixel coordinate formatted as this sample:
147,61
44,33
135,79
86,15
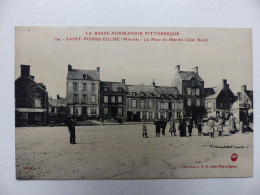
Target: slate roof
250,94
212,93
57,102
188,75
157,91
78,74
113,86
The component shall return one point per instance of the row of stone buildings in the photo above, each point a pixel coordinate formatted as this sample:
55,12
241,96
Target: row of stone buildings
88,97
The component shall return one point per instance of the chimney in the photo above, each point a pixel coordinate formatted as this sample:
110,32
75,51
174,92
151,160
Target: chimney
177,68
58,97
98,69
69,67
196,70
123,81
238,96
243,88
32,77
224,82
25,70
153,83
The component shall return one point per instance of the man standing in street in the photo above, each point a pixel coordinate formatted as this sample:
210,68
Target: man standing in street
71,127
163,124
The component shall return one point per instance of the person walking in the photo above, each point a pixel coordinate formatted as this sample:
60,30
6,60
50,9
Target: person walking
190,126
172,127
157,126
71,127
211,124
184,127
144,130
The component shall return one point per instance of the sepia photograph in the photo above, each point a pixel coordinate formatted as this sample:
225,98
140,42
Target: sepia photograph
113,103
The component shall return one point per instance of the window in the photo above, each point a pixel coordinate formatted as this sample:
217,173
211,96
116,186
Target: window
173,105
166,105
93,99
159,105
178,114
37,103
221,105
75,86
193,83
76,98
150,115
133,93
105,88
189,102
142,94
84,76
93,111
84,87
93,86
150,103
142,103
37,90
75,111
181,105
84,98
133,103
105,111
119,89
53,110
105,99
198,102
188,91
198,91
113,99
162,105
119,99
209,105
120,111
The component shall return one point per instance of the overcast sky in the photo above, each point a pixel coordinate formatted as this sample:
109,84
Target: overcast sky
226,55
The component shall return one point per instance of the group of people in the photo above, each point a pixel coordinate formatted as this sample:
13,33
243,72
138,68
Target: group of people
210,126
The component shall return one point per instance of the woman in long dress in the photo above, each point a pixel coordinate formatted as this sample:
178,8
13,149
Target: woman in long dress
232,122
220,126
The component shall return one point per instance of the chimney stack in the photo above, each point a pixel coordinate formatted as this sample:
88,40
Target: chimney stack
123,81
196,70
243,88
69,67
25,70
98,69
178,68
238,96
224,82
58,97
153,83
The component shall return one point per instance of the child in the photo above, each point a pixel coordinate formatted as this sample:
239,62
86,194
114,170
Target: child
199,125
144,130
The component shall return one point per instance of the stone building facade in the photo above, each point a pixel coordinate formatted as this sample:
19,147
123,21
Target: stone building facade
191,88
31,100
83,93
219,100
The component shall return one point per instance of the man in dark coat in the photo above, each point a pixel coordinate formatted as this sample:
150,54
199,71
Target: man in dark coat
71,127
163,124
180,127
190,126
157,126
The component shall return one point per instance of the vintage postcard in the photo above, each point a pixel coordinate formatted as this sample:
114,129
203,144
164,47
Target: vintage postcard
133,102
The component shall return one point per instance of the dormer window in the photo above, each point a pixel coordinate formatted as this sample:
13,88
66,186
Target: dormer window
142,94
84,76
133,94
105,89
119,89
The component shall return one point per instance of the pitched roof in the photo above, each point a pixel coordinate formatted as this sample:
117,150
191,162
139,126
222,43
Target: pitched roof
78,74
113,86
188,75
157,91
213,92
57,102
250,94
